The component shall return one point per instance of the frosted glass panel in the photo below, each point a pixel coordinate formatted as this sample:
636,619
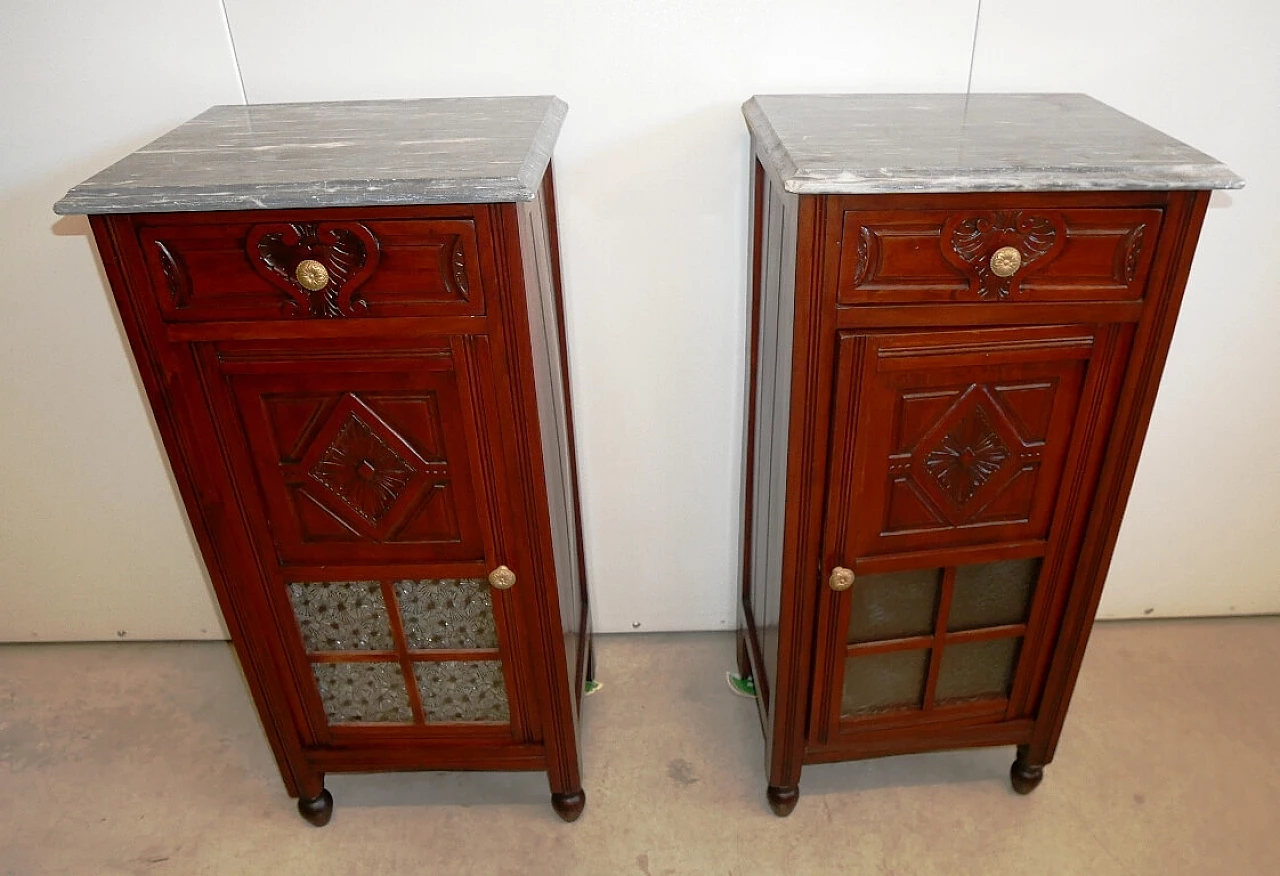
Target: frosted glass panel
893,605
362,692
878,682
991,594
447,613
462,691
977,669
342,616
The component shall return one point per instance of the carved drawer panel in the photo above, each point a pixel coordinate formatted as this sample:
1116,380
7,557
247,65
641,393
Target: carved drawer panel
1007,255
312,265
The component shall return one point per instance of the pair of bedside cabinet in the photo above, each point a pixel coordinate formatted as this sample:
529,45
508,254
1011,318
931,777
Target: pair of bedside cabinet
348,321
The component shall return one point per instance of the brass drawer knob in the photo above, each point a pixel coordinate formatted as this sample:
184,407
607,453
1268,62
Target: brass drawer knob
502,578
312,275
1005,261
841,579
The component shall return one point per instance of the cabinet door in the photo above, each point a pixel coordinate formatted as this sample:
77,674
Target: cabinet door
946,492
370,479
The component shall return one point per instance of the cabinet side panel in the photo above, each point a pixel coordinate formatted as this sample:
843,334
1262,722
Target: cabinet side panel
769,389
1142,379
555,415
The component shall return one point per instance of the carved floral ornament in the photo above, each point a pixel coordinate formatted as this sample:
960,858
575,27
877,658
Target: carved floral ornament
967,456
997,250
362,470
319,265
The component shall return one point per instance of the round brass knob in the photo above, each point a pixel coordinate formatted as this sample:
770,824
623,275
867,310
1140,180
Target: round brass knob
1005,261
502,578
841,579
312,275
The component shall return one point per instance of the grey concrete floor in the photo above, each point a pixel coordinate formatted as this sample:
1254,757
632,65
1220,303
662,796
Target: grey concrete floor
148,759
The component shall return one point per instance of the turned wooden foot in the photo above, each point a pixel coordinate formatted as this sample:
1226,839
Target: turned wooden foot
317,810
569,806
783,800
1025,776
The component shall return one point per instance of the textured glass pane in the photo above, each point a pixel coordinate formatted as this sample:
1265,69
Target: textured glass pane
893,605
991,594
884,681
363,692
977,669
462,690
447,613
342,616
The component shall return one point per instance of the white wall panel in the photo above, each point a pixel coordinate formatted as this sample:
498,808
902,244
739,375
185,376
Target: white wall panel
92,541
652,175
651,170
1202,533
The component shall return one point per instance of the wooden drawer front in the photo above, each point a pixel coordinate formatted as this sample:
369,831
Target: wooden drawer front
246,267
935,256
946,439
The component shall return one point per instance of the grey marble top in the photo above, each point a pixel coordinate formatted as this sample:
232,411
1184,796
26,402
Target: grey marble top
892,143
338,154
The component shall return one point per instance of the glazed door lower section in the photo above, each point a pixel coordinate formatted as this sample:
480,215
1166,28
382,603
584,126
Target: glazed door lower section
944,554
370,481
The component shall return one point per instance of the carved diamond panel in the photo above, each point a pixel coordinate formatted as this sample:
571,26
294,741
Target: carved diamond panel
969,454
362,470
966,459
360,449
357,467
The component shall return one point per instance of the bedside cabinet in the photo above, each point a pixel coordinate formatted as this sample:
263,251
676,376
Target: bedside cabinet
960,311
347,318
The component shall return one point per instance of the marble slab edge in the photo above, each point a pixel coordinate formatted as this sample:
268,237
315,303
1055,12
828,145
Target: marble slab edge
1040,179
523,186
544,141
916,180
354,193
777,160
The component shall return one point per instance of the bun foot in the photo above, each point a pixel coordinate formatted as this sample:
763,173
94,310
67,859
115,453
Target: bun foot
569,806
1024,776
317,810
783,800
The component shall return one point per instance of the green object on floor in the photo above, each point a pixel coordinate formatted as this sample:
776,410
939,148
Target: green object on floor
743,687
591,687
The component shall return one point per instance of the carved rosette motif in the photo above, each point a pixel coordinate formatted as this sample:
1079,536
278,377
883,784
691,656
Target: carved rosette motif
967,457
968,242
362,470
348,251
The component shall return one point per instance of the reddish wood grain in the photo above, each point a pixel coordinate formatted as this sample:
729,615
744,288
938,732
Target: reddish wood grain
423,378
898,332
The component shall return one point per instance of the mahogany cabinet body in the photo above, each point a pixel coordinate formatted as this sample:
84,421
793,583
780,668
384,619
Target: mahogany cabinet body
962,442
356,460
